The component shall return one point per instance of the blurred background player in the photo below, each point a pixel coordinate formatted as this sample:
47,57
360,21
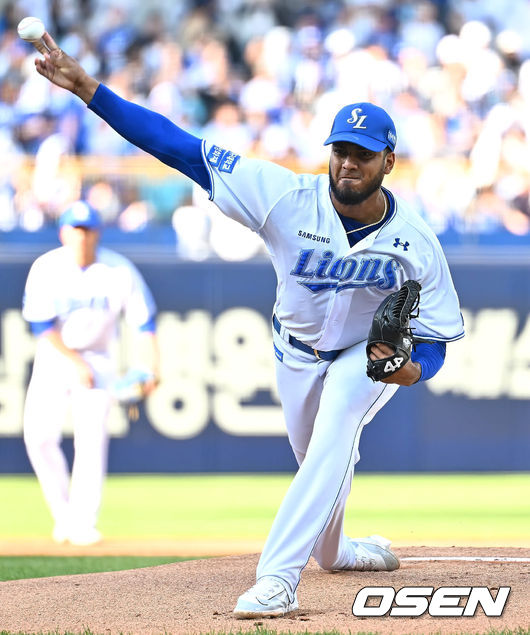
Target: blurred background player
74,297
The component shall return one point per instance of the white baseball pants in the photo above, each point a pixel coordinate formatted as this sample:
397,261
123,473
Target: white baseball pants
326,405
74,501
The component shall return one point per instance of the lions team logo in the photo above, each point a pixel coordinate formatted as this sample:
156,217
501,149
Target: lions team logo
329,273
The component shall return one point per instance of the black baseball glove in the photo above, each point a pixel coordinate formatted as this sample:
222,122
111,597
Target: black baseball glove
391,326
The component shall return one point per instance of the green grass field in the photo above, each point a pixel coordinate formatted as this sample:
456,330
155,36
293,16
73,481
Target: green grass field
19,567
467,509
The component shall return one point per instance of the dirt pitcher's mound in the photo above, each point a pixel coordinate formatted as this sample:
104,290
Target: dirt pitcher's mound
198,596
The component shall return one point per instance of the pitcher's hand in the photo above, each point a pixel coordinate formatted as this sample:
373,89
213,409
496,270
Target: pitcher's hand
63,70
406,376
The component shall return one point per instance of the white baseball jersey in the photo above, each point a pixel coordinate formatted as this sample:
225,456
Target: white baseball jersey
86,302
328,291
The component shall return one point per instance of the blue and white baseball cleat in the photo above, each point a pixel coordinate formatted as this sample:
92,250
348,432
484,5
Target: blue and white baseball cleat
269,597
373,554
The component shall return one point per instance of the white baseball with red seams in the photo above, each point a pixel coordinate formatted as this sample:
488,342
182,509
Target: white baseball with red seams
30,29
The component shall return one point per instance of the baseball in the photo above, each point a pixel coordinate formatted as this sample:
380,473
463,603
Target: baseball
30,29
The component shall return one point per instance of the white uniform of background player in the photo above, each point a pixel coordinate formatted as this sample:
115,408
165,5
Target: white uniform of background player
73,299
339,244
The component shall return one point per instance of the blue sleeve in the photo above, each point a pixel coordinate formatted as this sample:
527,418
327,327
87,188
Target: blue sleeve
153,133
38,328
149,326
431,357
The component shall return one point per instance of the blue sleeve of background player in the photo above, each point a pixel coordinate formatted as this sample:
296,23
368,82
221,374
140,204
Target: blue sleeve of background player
38,328
431,356
149,326
153,133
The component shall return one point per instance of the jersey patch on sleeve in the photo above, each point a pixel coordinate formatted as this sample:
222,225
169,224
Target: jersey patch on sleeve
223,160
229,162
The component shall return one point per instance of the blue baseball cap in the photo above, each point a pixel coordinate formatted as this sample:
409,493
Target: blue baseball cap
81,214
366,125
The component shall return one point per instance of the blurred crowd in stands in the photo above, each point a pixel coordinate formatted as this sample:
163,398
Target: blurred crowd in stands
265,78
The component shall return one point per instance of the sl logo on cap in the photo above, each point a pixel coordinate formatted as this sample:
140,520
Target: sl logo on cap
356,119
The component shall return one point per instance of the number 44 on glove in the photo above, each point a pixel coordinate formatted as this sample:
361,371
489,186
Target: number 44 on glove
391,326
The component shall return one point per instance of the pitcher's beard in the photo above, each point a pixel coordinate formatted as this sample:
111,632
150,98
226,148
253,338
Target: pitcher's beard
347,197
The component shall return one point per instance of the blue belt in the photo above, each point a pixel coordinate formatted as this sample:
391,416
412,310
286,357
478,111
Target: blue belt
327,356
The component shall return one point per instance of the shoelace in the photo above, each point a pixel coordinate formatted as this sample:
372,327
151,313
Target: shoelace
364,562
272,589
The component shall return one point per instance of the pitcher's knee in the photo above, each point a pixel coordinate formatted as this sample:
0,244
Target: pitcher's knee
335,559
328,562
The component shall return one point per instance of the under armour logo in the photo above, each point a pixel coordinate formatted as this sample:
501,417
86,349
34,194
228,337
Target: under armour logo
356,119
405,245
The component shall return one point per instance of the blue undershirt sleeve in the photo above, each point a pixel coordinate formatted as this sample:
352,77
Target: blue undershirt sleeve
149,326
38,328
431,357
153,133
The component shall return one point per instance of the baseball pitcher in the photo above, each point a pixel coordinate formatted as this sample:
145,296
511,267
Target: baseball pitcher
340,243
